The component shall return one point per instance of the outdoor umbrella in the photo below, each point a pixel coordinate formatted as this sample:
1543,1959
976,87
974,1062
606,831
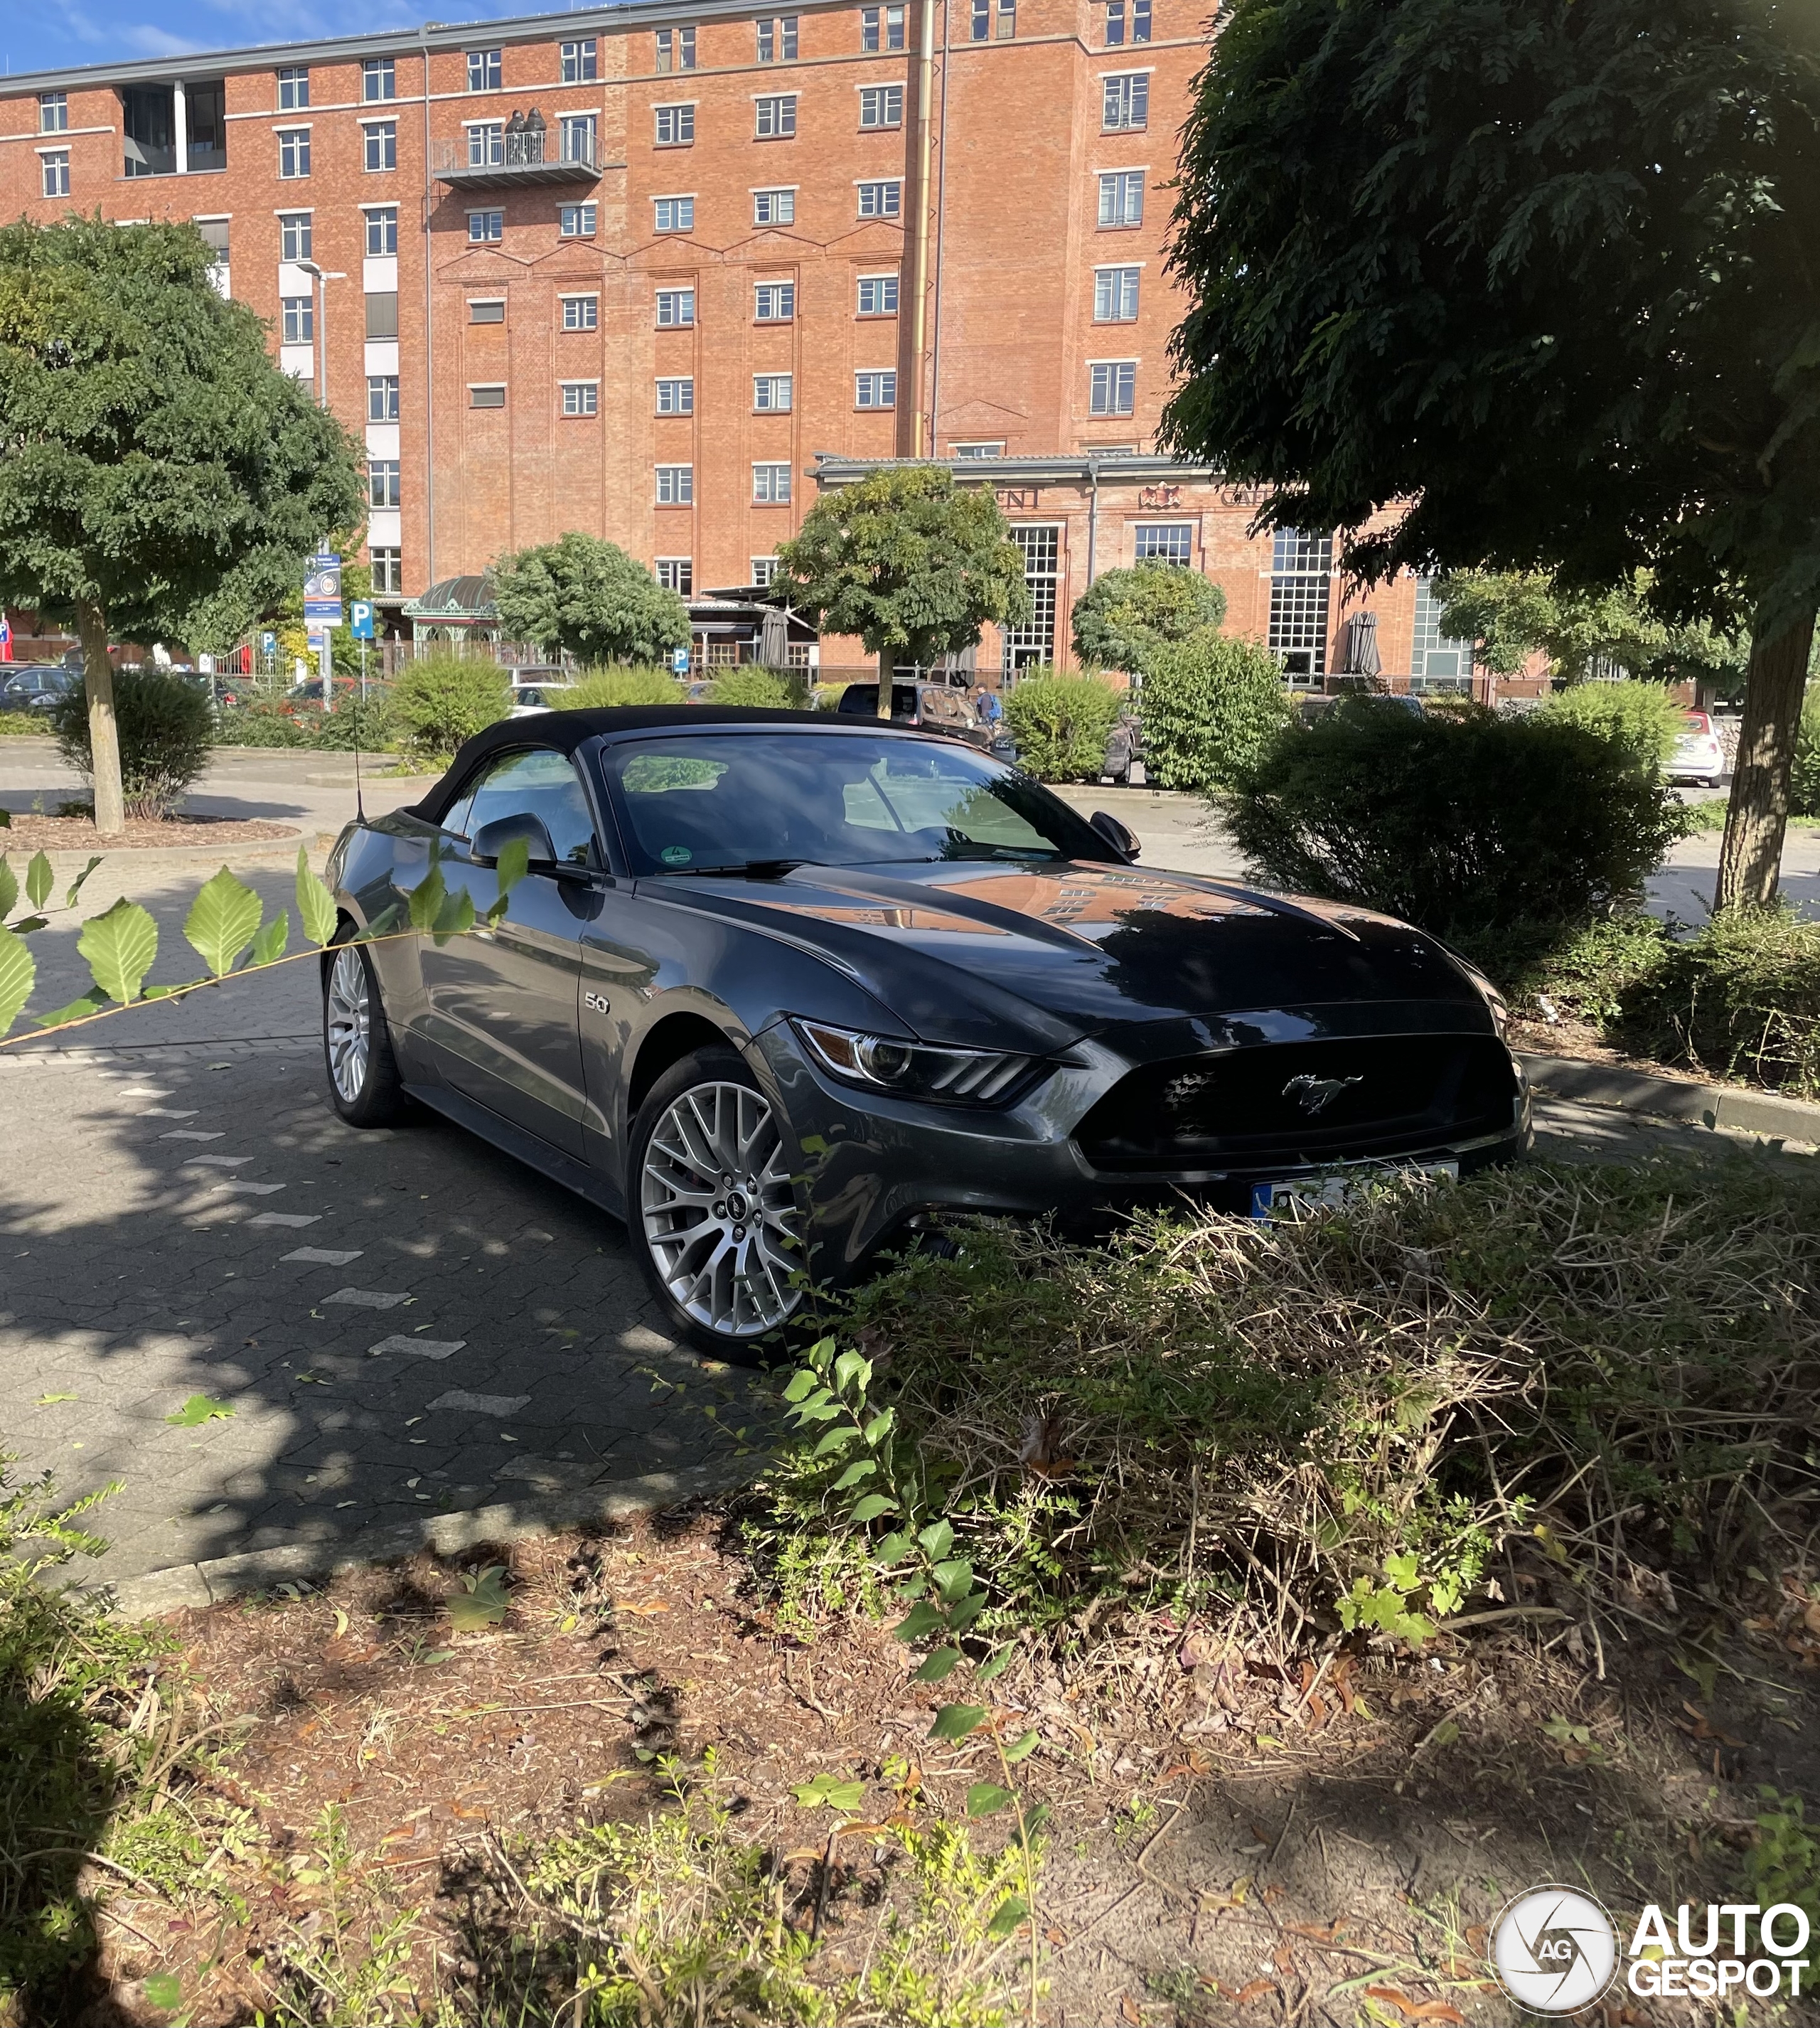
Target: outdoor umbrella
774,639
1362,658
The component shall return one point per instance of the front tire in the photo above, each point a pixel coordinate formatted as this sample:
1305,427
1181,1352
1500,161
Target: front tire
363,1084
711,1207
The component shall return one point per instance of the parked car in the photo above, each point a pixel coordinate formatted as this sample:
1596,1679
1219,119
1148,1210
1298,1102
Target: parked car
780,988
1124,761
1696,755
529,699
39,689
933,707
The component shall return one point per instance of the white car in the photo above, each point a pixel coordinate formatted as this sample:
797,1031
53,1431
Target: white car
529,699
1697,755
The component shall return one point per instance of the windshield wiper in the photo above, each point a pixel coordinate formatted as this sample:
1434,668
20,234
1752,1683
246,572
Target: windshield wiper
754,869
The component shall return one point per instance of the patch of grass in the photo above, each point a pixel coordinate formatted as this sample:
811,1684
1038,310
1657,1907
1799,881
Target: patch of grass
23,725
1709,814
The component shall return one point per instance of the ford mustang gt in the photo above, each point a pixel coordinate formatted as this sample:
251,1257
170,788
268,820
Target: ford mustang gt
778,990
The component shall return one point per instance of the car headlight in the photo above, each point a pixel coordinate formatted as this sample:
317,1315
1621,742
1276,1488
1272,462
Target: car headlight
913,1070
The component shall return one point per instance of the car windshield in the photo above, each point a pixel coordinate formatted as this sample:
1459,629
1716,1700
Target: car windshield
697,802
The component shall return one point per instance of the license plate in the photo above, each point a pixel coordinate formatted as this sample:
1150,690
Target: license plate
1338,1186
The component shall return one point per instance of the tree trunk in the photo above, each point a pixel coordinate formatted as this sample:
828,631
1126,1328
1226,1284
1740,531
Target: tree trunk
1751,856
887,662
104,738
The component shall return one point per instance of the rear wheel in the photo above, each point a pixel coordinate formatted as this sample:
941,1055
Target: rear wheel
363,1084
713,1212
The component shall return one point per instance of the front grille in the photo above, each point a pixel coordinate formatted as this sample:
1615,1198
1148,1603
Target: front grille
1291,1103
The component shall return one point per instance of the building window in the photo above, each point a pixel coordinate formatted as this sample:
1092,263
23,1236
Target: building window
581,397
293,152
777,39
382,139
675,309
1114,23
1139,20
293,90
382,397
383,313
483,69
383,482
764,571
677,574
1116,295
215,232
776,302
982,27
485,228
772,393
56,161
382,230
1164,542
875,390
881,200
487,397
1114,387
575,221
580,62
54,113
295,238
977,450
880,28
1436,658
1035,642
675,126
1125,109
1300,585
486,144
878,295
378,79
675,49
676,485
771,485
1121,198
576,139
776,117
487,309
774,207
299,319
676,397
388,570
581,313
675,214
882,105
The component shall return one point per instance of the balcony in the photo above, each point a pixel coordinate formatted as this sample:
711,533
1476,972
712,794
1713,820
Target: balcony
513,154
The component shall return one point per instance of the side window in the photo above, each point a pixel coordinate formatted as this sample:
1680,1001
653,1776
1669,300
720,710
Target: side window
543,784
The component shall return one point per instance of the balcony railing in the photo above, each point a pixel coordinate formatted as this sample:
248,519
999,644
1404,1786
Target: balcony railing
499,156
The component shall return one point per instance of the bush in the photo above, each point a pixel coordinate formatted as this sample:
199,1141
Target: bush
263,723
1125,618
1804,791
1211,706
752,688
22,725
1465,822
442,700
1642,717
595,689
1061,723
167,730
1586,972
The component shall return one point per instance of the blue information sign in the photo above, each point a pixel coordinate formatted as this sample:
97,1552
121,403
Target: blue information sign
322,590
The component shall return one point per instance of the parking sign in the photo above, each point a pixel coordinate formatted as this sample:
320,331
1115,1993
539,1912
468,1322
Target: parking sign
360,619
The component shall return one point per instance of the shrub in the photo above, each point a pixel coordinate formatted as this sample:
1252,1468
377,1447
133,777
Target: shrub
595,689
1585,973
1642,717
1061,723
755,688
1804,790
1125,617
1463,822
167,729
352,722
265,723
1211,706
444,699
21,724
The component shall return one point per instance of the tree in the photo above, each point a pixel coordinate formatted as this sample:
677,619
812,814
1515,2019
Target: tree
1512,614
590,598
1212,706
910,562
1125,616
160,473
1541,277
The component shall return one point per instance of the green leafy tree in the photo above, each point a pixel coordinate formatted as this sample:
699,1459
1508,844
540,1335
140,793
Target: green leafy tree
1529,284
1512,614
1125,617
1210,706
161,474
912,563
589,598
1061,723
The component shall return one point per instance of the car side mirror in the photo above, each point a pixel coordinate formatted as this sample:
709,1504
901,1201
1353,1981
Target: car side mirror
1122,841
491,839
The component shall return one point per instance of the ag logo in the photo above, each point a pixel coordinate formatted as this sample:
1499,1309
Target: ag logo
1555,1949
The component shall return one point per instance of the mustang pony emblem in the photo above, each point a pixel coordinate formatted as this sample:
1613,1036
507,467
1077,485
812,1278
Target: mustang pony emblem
1314,1094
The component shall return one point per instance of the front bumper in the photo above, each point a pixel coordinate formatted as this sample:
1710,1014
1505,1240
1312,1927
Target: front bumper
874,1165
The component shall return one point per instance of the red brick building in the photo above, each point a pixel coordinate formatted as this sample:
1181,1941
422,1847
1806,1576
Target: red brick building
648,271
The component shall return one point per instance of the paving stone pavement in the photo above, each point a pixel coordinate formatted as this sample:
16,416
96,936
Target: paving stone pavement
406,1326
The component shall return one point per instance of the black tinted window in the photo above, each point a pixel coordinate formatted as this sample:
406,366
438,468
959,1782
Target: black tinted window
539,784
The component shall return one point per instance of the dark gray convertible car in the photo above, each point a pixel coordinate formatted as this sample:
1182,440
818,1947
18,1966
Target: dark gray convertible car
780,988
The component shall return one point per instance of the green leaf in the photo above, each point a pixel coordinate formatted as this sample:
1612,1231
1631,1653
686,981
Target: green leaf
995,1665
120,947
166,1991
1033,1820
18,970
939,1662
9,886
91,1002
1012,1910
514,863
482,1602
223,920
47,1400
872,1506
986,1799
315,908
26,924
455,918
384,925
957,1721
852,1366
938,1538
831,1792
881,1426
964,1612
39,879
922,1619
427,898
196,1411
835,1440
803,1382
953,1580
1022,1747
893,1549
862,1468
268,946
75,885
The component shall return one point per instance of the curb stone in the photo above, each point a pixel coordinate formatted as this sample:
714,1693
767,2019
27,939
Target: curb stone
1672,1098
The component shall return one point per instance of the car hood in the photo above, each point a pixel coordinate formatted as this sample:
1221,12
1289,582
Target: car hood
961,951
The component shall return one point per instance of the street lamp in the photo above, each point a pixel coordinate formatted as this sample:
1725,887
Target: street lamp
323,277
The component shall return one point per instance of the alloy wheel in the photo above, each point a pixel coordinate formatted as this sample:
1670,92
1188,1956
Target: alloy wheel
720,1210
348,1022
